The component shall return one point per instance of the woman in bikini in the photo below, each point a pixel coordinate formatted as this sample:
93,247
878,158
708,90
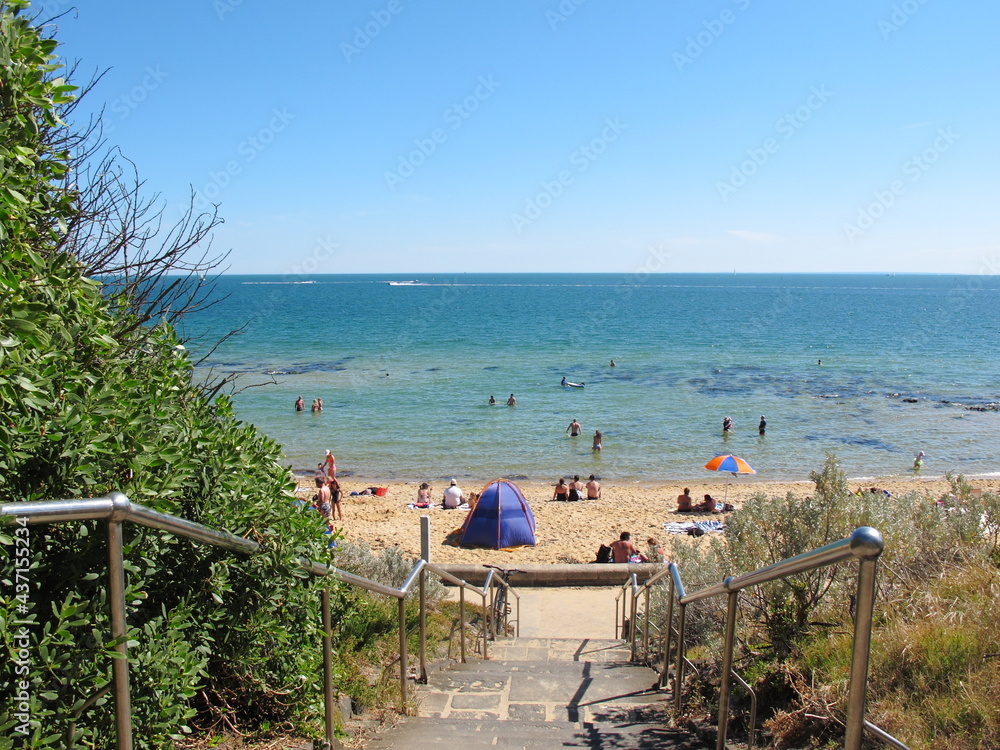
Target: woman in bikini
561,490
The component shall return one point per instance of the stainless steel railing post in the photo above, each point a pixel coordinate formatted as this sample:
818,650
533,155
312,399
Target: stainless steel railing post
668,636
327,665
403,656
487,615
645,627
461,619
119,633
679,669
867,545
727,671
423,626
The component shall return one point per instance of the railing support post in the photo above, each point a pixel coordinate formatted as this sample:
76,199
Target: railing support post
461,620
727,671
116,581
679,669
668,635
860,651
423,627
327,665
645,627
632,624
488,614
403,656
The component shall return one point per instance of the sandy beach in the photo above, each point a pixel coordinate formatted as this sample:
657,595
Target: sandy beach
567,532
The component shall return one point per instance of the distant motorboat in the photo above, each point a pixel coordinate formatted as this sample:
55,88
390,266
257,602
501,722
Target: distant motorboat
402,283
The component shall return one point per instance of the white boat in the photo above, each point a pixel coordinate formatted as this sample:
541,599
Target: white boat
402,283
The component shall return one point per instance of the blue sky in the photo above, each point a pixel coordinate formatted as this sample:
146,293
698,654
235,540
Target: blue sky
582,135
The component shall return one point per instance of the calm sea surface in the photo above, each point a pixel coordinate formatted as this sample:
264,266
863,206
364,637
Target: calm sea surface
903,360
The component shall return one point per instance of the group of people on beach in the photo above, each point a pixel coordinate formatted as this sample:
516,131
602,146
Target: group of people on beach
727,425
453,497
575,429
510,401
686,504
327,497
317,404
577,490
624,551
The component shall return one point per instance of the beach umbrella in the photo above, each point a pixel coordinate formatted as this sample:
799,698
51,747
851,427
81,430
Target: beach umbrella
733,464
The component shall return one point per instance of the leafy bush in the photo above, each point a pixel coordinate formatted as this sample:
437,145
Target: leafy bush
934,645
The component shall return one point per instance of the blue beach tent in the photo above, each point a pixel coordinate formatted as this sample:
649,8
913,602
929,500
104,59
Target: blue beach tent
502,518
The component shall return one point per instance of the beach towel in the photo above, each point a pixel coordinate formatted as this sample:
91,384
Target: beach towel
687,527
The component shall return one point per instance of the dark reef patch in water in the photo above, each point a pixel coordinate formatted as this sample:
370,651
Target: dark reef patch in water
859,441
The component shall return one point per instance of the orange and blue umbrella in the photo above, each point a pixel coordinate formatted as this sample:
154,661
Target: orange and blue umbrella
731,463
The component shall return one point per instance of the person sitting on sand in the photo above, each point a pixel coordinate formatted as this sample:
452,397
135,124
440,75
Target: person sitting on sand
453,496
575,489
561,491
593,489
424,495
623,550
654,552
707,505
684,501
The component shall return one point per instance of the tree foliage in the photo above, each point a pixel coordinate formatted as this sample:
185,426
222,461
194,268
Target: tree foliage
93,398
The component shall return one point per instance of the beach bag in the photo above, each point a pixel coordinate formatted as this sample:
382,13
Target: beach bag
381,491
604,554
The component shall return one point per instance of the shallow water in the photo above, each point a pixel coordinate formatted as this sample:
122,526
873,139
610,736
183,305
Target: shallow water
689,350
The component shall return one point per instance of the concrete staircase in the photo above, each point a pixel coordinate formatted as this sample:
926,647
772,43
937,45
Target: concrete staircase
540,693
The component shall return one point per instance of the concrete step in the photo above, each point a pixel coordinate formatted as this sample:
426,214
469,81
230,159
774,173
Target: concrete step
424,733
559,649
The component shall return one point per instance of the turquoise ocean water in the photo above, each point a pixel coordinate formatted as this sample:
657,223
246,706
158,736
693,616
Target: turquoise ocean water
908,364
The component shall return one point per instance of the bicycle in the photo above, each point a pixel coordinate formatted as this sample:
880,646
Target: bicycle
498,616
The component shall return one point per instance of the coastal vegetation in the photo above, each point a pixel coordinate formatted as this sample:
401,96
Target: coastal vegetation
934,670
97,394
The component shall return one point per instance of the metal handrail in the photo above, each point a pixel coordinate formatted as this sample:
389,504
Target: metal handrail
116,508
865,544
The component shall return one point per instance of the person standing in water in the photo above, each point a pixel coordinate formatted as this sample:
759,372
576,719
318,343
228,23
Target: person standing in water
727,424
300,404
598,439
762,426
574,428
512,401
492,401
